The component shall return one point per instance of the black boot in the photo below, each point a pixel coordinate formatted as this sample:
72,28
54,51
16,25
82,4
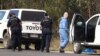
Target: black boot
19,49
47,51
27,47
62,50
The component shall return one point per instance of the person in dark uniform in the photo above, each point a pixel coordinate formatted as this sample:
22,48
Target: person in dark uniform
46,24
14,23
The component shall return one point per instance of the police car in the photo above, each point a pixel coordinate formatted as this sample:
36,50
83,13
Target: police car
85,34
31,28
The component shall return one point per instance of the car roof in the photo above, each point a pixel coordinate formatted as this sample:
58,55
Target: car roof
4,10
30,10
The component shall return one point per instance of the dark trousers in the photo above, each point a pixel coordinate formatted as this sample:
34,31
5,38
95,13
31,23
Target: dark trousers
16,40
46,39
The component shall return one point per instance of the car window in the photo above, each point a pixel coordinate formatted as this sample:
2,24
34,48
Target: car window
93,21
15,12
79,20
2,13
32,16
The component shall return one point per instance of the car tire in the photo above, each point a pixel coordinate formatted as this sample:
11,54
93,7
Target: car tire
77,48
6,41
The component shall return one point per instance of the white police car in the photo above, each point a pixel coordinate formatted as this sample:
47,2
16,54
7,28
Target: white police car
31,29
85,34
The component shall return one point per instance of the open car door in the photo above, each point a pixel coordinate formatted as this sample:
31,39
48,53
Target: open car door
77,29
93,29
77,32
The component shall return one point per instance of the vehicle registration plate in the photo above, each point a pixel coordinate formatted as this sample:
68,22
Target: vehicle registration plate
33,35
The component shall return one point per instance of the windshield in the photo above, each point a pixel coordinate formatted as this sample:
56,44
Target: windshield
32,16
2,13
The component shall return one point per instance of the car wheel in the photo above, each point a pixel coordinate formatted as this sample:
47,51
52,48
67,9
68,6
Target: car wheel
77,48
6,41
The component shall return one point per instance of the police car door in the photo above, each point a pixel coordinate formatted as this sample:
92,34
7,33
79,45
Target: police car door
93,29
77,29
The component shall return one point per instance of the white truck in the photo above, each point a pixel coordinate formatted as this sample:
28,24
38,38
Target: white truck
31,28
85,34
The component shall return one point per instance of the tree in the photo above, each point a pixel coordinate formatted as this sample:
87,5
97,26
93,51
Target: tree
55,8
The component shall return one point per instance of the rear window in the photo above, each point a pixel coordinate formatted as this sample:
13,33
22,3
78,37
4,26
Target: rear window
32,16
2,13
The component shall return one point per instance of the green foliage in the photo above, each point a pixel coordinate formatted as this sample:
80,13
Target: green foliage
55,8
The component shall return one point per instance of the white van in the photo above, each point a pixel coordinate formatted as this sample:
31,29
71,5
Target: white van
85,34
31,28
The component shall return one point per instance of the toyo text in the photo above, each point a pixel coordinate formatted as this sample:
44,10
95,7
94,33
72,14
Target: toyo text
33,27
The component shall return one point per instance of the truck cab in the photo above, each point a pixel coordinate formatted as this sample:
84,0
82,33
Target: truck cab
85,34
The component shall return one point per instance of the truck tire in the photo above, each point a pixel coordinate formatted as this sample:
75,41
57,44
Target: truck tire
6,41
38,46
77,48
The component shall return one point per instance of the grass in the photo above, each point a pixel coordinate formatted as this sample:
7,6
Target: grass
55,45
1,45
